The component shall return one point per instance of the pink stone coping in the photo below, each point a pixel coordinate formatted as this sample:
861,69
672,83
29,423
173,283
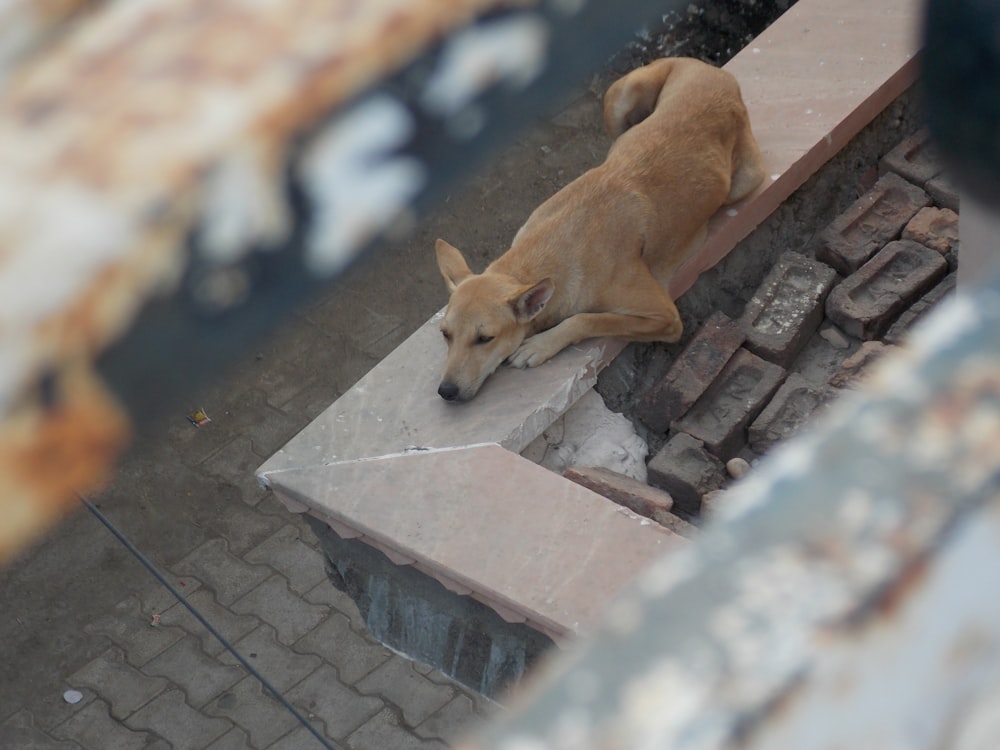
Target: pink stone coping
439,486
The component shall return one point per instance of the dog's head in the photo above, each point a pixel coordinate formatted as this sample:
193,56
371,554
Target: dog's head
487,318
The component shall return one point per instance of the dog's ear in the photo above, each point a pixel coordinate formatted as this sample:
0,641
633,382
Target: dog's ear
452,264
530,301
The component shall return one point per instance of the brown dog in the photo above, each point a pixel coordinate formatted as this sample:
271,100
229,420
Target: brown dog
594,259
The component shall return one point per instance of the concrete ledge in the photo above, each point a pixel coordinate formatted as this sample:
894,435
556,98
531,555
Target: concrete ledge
436,485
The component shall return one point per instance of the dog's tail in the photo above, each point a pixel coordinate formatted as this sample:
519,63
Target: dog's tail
632,99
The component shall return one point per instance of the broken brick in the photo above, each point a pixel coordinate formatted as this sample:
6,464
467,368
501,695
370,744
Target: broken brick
795,403
623,490
877,217
936,228
787,308
867,302
853,369
687,471
692,372
719,419
898,331
915,159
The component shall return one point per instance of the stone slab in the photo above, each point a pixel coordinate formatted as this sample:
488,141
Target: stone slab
534,544
867,302
787,308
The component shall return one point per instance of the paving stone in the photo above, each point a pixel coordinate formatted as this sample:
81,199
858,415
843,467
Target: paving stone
285,551
897,331
852,372
123,686
340,601
686,470
232,626
414,694
130,628
235,463
174,720
279,664
94,728
787,308
876,218
340,708
796,403
18,732
52,709
234,739
217,568
354,654
157,599
299,739
255,711
384,731
290,615
936,228
200,676
453,721
701,360
944,192
720,417
637,496
867,302
915,159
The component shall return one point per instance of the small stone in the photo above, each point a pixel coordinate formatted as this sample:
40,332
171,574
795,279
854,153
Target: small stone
72,696
737,467
835,337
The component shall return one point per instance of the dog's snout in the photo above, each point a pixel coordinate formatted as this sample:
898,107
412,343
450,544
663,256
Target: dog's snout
448,391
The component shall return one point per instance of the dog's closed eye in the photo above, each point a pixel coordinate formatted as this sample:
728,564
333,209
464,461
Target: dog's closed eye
481,339
447,335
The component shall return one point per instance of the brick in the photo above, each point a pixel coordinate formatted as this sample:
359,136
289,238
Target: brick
94,728
787,308
915,159
254,711
687,471
282,666
700,362
290,615
794,405
415,695
339,708
898,330
198,674
637,496
867,302
231,626
176,722
936,228
876,218
944,192
384,731
227,575
720,417
123,686
855,367
285,552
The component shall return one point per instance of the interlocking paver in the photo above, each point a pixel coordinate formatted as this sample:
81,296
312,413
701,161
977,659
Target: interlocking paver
254,710
234,739
299,739
340,708
355,655
130,628
384,731
234,463
415,695
94,728
232,626
122,685
290,615
289,555
18,732
169,716
326,593
200,676
216,567
279,664
454,720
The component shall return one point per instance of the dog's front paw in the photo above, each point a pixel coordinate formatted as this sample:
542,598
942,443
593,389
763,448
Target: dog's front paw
531,353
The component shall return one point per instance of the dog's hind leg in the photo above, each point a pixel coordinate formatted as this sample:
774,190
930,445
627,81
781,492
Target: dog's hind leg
632,99
748,167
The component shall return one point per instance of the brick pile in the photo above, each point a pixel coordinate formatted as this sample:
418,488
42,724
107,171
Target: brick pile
822,315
